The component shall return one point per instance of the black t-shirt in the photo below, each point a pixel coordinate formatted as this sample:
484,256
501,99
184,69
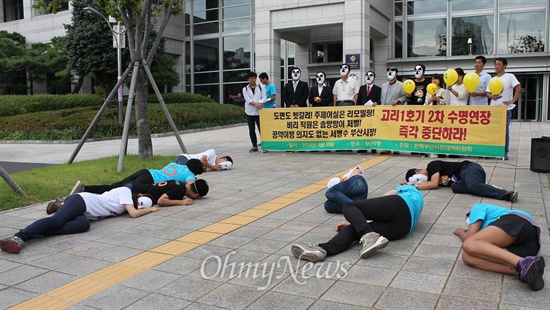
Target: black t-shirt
448,171
175,190
418,96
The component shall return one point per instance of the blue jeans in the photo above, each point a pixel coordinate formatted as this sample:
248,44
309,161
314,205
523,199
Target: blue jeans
69,219
472,181
343,193
507,146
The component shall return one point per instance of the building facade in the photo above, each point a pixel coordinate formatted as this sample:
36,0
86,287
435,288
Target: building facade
216,42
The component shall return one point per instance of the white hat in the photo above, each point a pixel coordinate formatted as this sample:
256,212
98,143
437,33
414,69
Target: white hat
418,178
144,202
333,182
225,165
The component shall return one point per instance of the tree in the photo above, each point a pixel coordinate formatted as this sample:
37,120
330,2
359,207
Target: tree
527,44
13,79
138,17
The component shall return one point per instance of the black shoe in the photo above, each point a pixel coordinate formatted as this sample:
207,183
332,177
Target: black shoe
511,196
441,156
254,149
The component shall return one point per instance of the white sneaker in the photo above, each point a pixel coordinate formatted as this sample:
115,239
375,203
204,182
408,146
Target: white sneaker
372,242
309,252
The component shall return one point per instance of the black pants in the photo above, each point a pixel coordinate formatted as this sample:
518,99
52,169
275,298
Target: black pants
143,176
250,120
390,215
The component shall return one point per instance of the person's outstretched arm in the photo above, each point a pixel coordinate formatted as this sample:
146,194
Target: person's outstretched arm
464,234
133,212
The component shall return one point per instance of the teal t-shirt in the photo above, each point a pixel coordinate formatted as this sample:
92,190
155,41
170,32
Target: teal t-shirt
489,213
270,90
414,201
172,171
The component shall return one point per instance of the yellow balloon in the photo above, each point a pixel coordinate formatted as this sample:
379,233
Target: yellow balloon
496,86
409,86
450,76
471,81
431,88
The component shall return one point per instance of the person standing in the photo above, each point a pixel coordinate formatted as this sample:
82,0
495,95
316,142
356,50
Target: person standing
369,94
439,98
296,91
509,95
254,98
320,95
345,89
459,93
392,90
270,91
418,96
479,96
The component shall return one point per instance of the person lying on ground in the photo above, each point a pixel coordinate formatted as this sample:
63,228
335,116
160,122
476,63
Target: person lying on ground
504,241
342,191
464,177
209,160
373,222
75,216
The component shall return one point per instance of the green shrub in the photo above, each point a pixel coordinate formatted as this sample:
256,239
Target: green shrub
15,104
71,124
179,98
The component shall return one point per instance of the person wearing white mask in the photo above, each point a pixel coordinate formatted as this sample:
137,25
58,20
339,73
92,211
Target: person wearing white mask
345,89
392,90
320,95
369,94
296,91
418,96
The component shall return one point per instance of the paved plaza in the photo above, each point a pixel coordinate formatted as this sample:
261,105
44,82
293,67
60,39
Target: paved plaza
231,250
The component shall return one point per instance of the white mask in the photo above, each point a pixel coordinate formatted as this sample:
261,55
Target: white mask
391,74
418,72
418,178
369,78
320,78
344,70
296,74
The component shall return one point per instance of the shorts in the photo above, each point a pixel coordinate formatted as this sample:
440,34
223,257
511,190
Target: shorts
527,235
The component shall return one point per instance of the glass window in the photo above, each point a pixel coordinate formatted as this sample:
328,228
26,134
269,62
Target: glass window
319,53
188,58
205,16
201,5
235,75
522,32
236,24
233,93
398,8
206,28
426,6
211,91
398,40
206,55
235,2
236,11
13,10
206,78
516,3
427,38
469,5
236,52
335,52
291,53
479,28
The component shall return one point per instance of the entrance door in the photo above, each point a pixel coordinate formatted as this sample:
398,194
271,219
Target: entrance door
530,101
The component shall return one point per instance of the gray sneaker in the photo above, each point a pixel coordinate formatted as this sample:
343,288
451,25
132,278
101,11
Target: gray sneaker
78,188
309,252
511,196
11,245
372,242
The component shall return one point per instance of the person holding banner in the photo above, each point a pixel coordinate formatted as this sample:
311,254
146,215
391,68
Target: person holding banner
345,89
508,96
369,94
392,91
479,96
463,177
374,222
501,240
320,95
254,99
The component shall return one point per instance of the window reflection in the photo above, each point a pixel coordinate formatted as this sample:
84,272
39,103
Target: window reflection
479,28
427,38
335,52
522,32
204,16
205,78
519,4
237,11
235,2
233,93
236,52
236,24
206,55
200,5
468,5
426,6
206,28
398,40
